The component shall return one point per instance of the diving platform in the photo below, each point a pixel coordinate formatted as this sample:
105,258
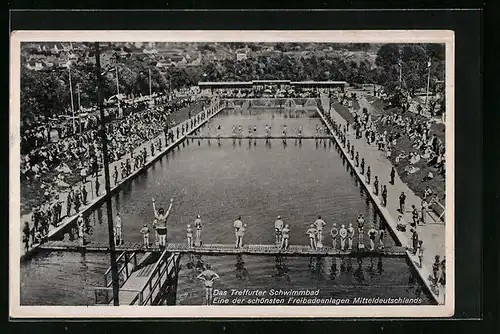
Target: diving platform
259,137
225,249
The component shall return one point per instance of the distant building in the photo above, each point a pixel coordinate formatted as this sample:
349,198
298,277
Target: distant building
150,51
241,56
34,65
209,88
63,63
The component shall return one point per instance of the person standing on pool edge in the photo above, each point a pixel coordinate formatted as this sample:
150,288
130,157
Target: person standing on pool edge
372,232
161,226
375,186
237,225
402,199
334,232
350,235
392,175
145,235
319,224
278,228
285,235
118,230
343,236
384,195
311,232
239,236
198,226
189,235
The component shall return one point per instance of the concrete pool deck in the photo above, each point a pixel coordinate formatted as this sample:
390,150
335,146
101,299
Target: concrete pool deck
212,110
433,235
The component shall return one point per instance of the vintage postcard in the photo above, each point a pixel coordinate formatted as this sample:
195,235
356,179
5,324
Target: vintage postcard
231,174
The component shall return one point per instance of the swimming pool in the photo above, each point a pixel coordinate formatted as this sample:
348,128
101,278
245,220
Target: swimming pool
221,180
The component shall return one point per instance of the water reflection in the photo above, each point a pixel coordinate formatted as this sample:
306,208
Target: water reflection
241,271
282,270
358,272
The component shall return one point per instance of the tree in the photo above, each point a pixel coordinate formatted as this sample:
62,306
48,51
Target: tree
388,55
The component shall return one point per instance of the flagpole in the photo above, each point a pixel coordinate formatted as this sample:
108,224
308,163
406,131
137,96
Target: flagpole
150,91
400,73
71,94
79,107
428,81
107,195
117,89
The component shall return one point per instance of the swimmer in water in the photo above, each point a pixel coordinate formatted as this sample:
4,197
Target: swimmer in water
208,276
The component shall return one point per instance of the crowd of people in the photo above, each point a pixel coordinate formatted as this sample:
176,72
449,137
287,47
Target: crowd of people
80,156
386,132
83,150
364,127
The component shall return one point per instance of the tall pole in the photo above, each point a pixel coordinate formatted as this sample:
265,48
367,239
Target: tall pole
117,89
111,234
79,107
150,91
400,73
71,94
428,81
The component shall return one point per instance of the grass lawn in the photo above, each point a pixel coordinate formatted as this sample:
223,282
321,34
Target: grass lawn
343,111
415,180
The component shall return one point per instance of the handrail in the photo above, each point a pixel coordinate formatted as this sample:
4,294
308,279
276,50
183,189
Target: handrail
158,269
123,267
161,272
148,282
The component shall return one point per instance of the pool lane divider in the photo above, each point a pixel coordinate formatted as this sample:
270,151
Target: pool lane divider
401,237
97,201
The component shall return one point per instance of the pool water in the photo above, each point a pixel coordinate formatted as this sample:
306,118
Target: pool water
221,180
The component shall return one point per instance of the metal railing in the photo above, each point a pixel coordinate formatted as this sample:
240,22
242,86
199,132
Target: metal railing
156,280
126,263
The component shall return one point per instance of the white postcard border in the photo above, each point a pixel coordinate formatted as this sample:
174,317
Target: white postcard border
320,36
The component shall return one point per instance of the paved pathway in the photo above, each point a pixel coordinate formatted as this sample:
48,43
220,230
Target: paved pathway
90,186
433,235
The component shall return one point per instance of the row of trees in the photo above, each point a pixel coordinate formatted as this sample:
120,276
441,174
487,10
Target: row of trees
47,92
411,62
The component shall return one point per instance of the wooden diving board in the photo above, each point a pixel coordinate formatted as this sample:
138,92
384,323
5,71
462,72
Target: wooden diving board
225,249
259,137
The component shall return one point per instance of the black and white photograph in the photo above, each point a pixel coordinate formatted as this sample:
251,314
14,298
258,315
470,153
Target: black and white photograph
232,173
